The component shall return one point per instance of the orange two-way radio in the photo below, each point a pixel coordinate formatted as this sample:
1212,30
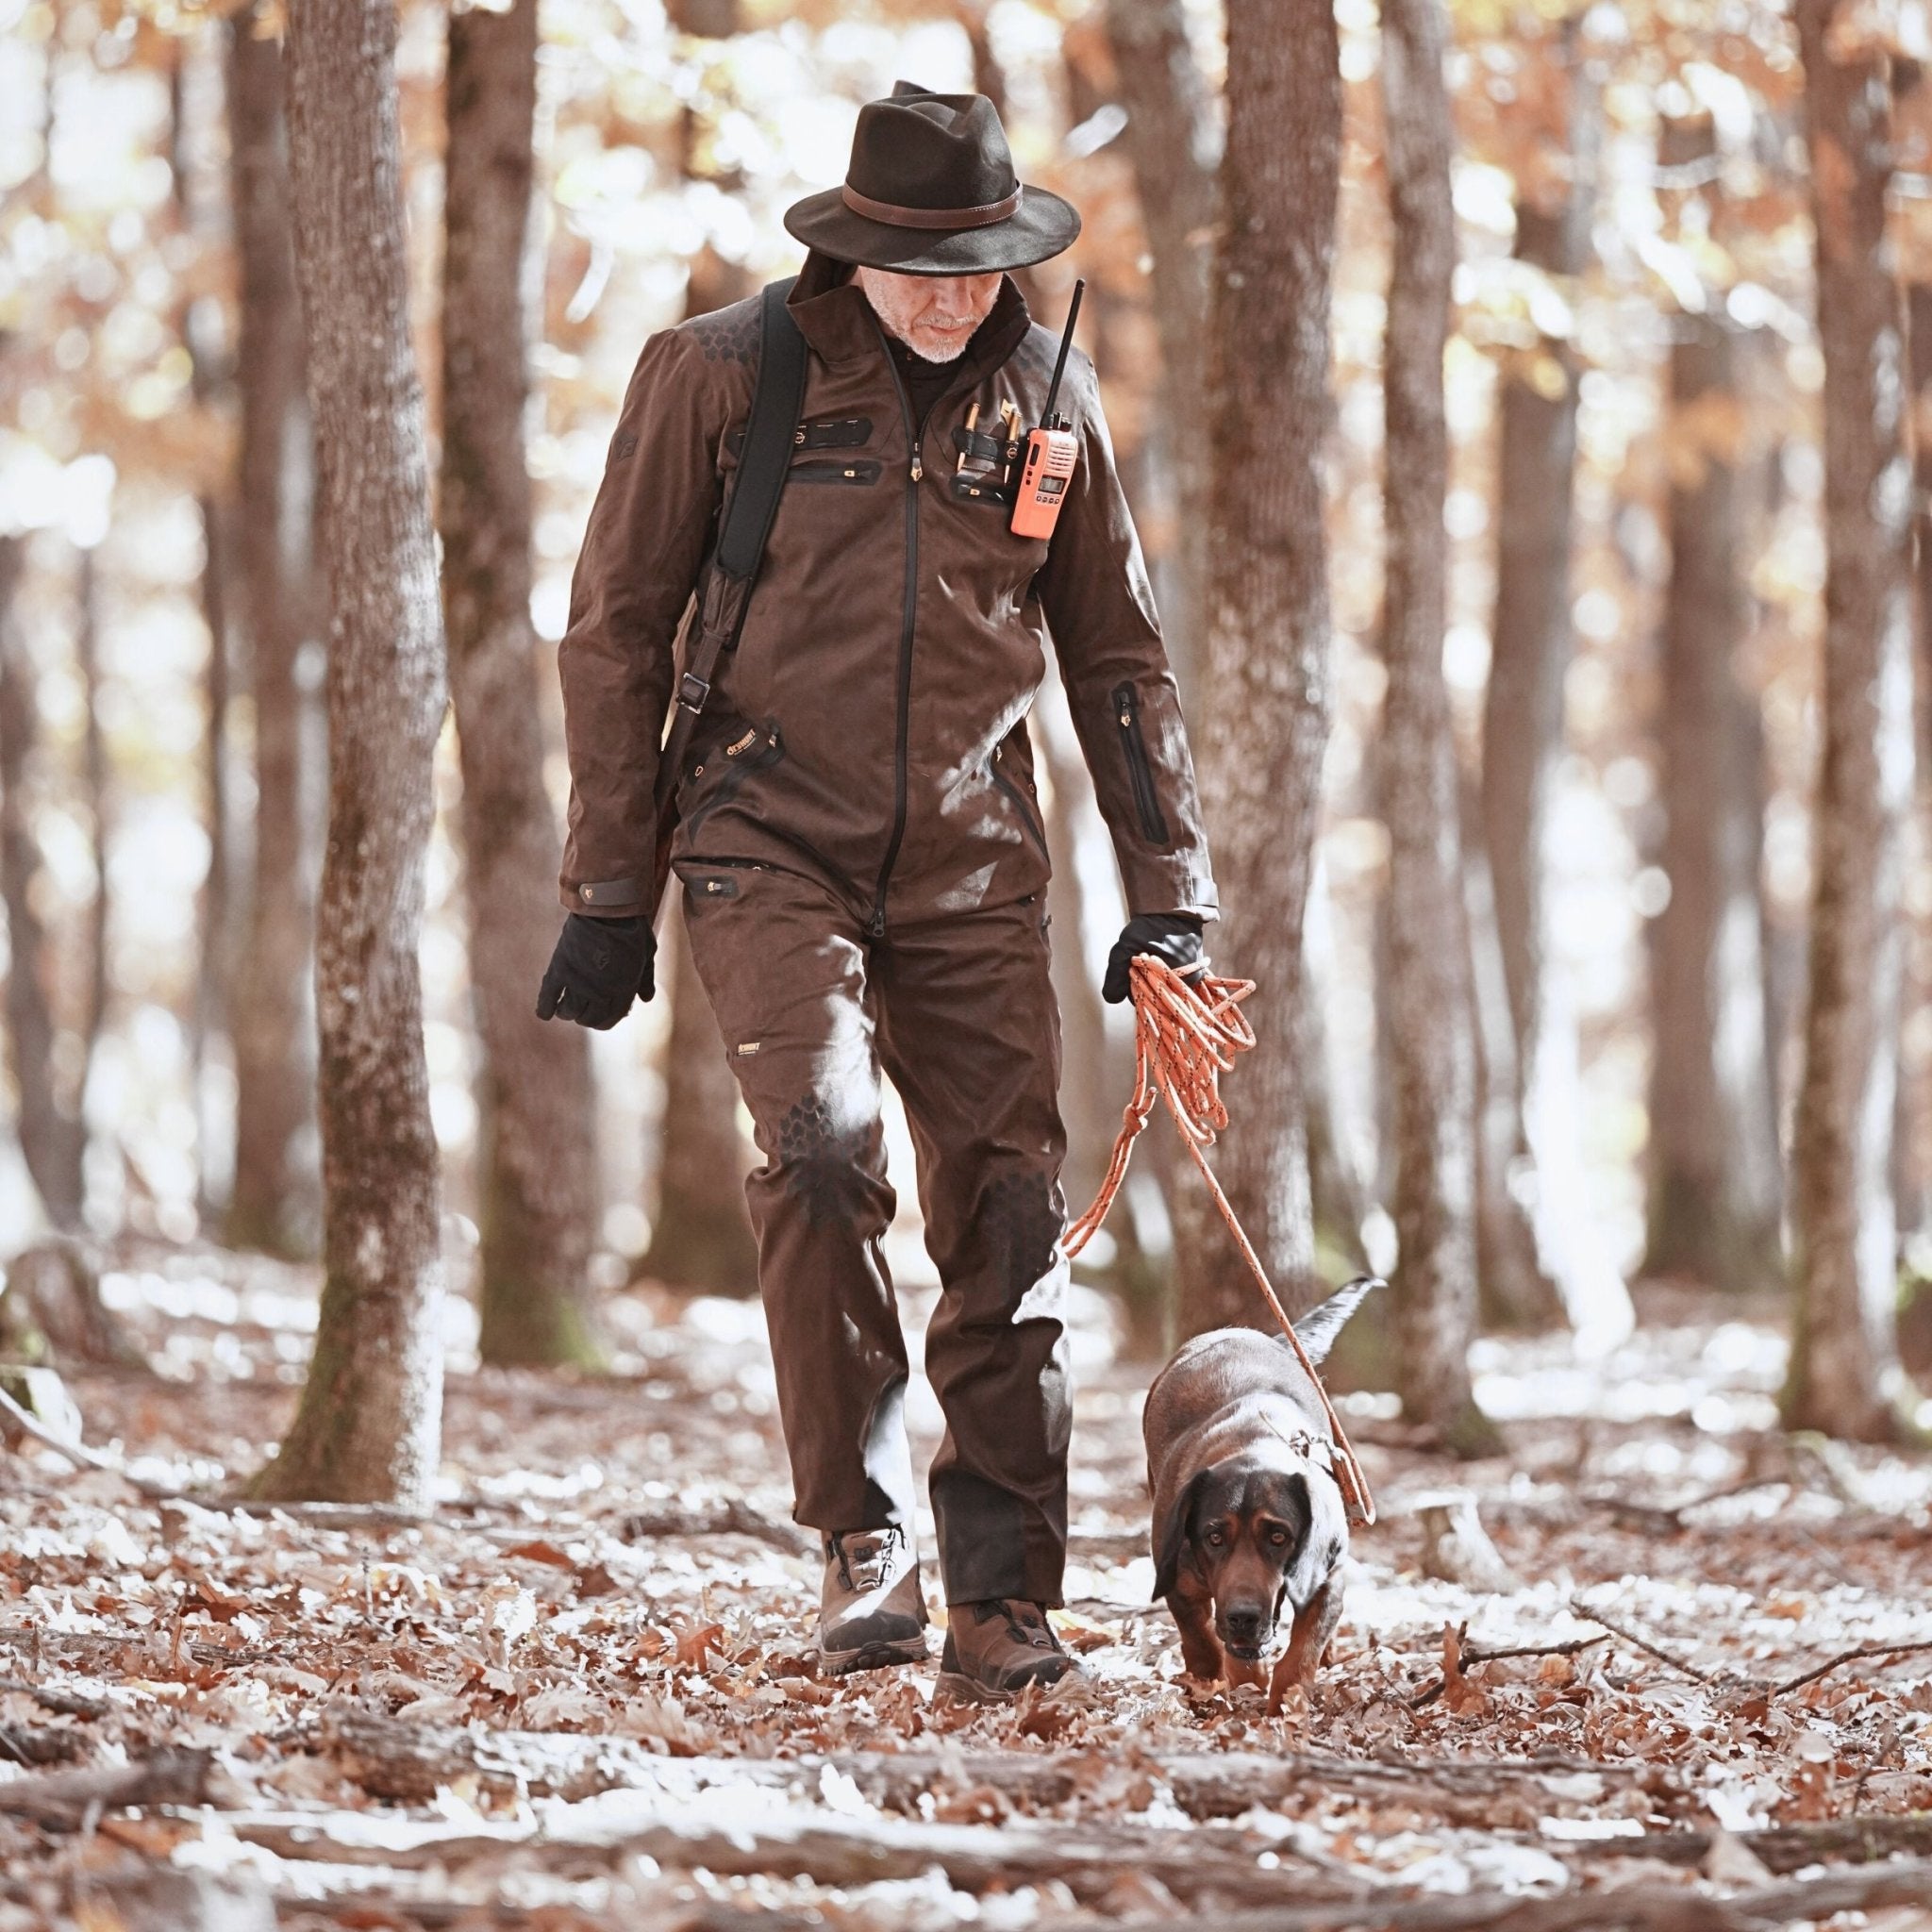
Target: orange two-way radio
1051,452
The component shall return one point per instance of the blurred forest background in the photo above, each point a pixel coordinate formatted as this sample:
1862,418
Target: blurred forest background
1665,1019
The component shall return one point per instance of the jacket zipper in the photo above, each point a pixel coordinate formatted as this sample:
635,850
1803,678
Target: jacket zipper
1126,708
876,925
1004,784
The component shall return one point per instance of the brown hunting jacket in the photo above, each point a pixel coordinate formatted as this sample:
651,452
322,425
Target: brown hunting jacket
869,729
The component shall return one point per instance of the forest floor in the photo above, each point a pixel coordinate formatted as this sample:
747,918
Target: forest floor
578,1697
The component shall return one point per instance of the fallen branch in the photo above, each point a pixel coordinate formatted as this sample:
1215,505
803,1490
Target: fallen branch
29,1424
406,1762
1577,1608
62,1703
168,1777
728,1516
1632,1909
1860,1840
1088,1859
1863,1652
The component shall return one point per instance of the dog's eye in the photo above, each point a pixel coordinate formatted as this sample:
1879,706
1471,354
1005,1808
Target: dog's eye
1278,1537
1215,1538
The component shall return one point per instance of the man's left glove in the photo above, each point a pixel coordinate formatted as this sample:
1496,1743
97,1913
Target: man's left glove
1174,937
599,967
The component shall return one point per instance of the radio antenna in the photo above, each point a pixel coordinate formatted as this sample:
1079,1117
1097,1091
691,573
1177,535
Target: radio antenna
1059,367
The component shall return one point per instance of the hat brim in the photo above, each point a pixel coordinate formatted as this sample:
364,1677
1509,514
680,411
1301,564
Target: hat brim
1040,227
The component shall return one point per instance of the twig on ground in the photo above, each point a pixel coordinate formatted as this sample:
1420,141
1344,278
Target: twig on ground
29,1424
1851,1656
728,1516
1467,1659
1578,1609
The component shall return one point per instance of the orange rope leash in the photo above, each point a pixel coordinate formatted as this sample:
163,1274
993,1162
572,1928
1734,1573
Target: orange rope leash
1186,1033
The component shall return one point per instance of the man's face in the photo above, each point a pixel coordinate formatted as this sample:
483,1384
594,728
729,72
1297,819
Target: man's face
933,315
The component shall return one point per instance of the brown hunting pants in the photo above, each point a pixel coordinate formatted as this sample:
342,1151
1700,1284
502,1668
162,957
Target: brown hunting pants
959,1010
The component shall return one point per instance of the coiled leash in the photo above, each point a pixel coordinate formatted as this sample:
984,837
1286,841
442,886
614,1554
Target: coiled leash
1186,1032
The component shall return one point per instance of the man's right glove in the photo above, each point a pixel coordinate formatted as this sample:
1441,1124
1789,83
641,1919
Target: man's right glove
1174,937
599,967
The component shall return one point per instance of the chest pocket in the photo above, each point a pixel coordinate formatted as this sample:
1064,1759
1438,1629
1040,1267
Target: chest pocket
830,432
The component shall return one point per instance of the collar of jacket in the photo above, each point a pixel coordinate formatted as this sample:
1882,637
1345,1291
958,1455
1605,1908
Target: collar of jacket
835,318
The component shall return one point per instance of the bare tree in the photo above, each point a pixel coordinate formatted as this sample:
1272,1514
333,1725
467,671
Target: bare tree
1714,1178
274,1199
1430,1017
1522,719
1842,1222
701,1235
198,328
1263,716
538,1171
1173,140
369,1427
53,1138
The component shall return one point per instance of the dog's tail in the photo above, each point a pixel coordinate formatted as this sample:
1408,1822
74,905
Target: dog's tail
1319,1328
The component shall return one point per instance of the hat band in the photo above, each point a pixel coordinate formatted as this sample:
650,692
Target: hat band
898,217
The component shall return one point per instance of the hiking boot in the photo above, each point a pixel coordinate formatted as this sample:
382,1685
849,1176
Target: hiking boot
871,1611
994,1649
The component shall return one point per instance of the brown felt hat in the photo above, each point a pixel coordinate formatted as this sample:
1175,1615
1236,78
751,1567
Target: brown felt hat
930,190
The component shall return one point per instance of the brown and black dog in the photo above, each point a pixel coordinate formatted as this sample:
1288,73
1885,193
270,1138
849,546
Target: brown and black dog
1247,1513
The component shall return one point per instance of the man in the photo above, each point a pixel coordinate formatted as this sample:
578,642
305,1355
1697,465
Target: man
860,847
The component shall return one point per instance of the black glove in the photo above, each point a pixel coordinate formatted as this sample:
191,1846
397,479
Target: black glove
599,967
1174,937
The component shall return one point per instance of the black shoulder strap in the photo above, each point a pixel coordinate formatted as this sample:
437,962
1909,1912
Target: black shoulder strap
776,403
778,399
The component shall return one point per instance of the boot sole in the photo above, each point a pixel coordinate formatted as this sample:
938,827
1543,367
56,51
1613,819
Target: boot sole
956,1687
874,1656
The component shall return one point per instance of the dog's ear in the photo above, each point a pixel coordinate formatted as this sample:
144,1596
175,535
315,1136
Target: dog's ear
1326,1536
1316,1330
1171,1536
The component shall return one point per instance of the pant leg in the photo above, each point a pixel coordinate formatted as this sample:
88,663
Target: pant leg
783,968
969,1031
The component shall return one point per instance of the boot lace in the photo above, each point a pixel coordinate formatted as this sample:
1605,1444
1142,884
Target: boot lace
865,1557
1025,1622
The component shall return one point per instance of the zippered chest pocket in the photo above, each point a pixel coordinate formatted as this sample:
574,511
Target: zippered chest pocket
1126,712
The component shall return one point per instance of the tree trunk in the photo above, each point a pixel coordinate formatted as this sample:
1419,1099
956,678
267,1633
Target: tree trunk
1714,1179
369,1427
1514,1290
1173,141
1265,698
93,776
537,1167
1339,1194
701,1234
207,376
1842,1208
1918,326
53,1138
1432,1016
273,1200
1523,707
1523,718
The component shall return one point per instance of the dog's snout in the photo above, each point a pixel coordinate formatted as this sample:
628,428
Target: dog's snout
1243,1622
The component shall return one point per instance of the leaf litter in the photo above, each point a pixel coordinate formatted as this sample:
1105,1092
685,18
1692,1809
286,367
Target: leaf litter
581,1694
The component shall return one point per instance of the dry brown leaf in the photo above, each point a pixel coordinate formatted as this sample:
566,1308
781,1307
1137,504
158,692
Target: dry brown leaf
540,1552
1459,1694
695,1643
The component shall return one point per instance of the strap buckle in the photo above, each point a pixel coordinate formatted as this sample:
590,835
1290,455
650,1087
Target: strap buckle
692,692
